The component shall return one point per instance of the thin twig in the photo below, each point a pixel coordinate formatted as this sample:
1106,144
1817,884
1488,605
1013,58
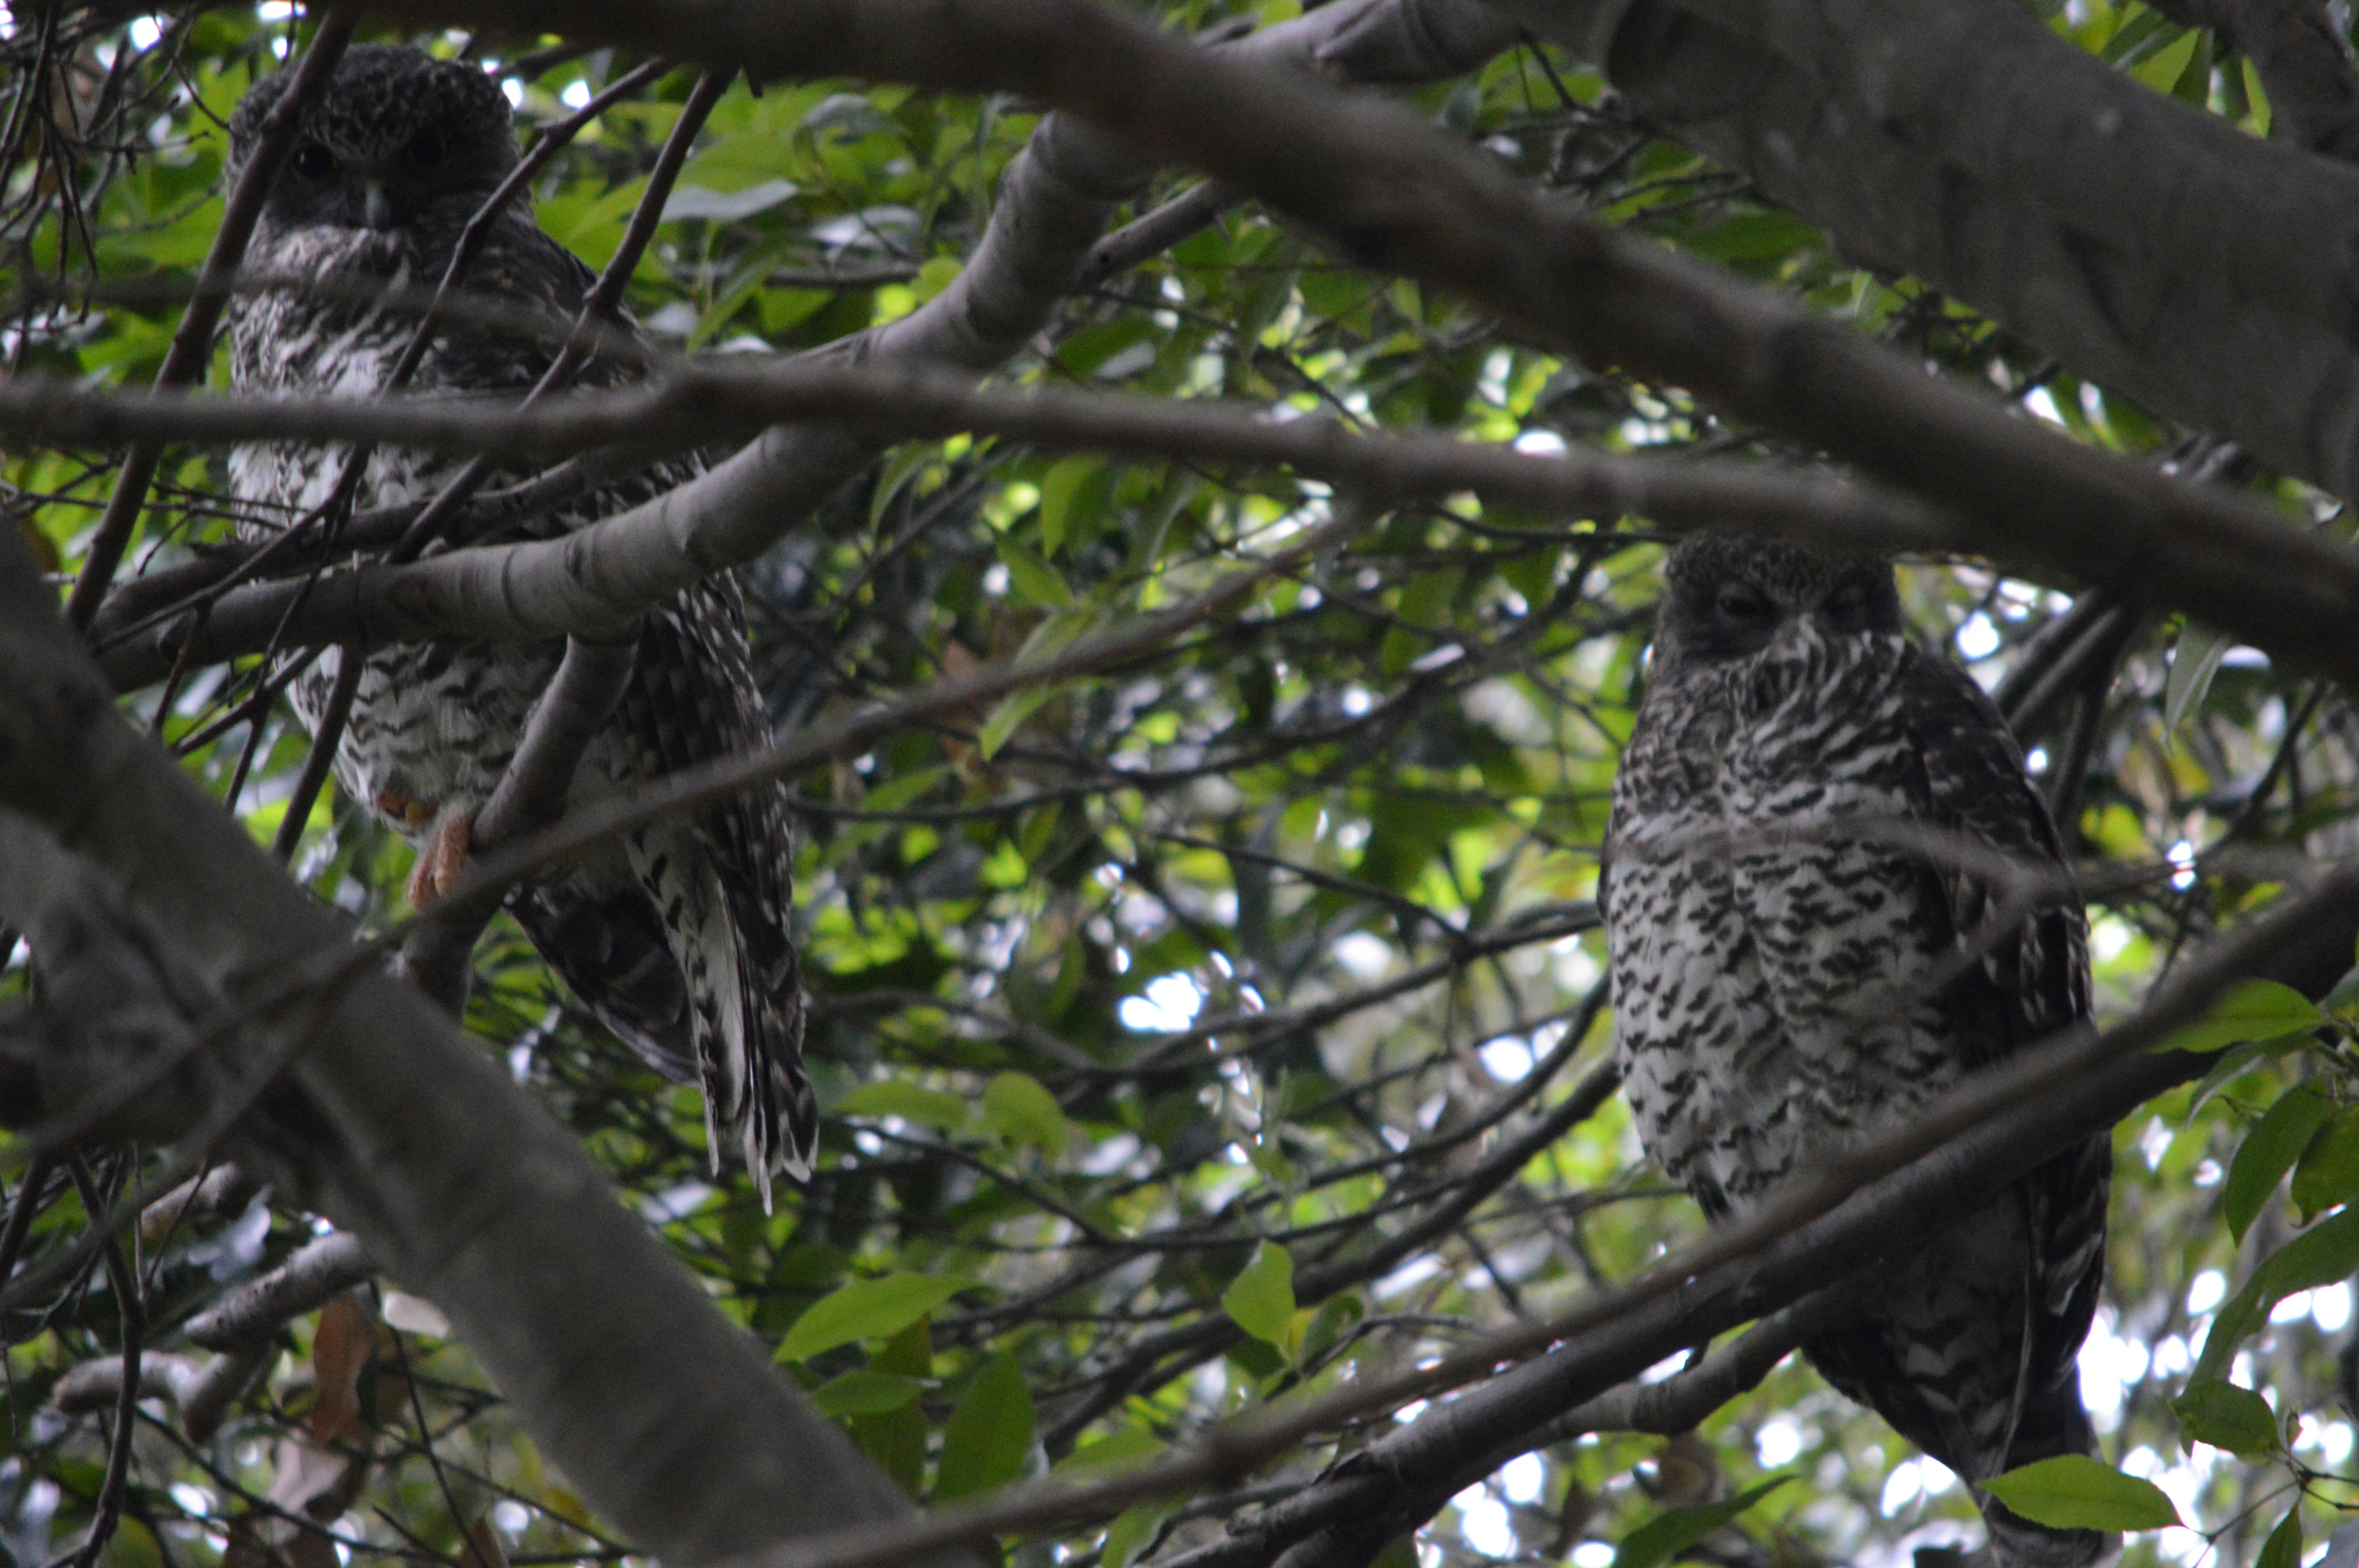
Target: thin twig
192,342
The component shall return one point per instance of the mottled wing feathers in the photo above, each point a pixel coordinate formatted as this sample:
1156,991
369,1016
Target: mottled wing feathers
1970,771
609,945
692,698
2032,981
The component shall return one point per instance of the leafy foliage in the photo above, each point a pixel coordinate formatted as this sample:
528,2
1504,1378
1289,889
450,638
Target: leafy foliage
1167,1023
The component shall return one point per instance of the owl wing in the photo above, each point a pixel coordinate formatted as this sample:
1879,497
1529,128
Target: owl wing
692,698
1972,784
717,891
2030,983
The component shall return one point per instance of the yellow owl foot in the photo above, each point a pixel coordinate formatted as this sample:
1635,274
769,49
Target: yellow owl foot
444,859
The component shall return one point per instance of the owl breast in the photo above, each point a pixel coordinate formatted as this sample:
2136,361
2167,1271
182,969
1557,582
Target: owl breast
1770,958
432,725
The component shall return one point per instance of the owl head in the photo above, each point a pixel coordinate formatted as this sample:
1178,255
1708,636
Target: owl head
399,138
1727,600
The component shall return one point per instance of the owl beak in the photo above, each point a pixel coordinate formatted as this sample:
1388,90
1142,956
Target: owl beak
376,205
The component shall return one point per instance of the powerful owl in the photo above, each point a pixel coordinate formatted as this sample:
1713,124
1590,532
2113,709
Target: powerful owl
678,937
1790,972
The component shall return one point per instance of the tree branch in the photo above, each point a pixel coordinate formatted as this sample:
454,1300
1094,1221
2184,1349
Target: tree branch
1399,195
569,713
2230,562
2151,247
392,1123
1403,1478
317,1273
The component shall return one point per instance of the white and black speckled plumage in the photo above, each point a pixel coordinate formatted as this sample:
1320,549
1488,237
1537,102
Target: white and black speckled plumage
679,938
1763,974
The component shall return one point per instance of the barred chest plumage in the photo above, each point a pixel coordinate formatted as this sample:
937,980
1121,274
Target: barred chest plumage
432,725
1762,953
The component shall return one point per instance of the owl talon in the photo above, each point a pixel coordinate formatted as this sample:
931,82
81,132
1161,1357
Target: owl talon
444,859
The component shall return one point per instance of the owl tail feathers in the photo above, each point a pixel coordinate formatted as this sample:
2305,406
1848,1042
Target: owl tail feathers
2016,1542
750,1057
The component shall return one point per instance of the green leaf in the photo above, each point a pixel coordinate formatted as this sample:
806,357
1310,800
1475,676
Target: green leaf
2328,1173
688,201
904,464
1120,1449
2325,1253
1336,1316
936,274
864,1392
1057,491
866,1309
1659,1539
903,788
1130,1534
1011,712
2283,1548
2249,1010
2268,1152
1034,579
2074,1492
928,1108
896,1441
990,1435
2226,1416
2197,657
1261,1298
2257,98
1016,1107
2161,72
2343,996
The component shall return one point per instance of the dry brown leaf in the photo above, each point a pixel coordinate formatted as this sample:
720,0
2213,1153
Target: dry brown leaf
482,1547
340,1354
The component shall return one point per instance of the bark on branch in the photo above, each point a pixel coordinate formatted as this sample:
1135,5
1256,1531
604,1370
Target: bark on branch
2151,247
1397,195
397,1126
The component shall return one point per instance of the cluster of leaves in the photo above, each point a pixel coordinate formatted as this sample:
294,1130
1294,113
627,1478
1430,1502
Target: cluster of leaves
1175,1031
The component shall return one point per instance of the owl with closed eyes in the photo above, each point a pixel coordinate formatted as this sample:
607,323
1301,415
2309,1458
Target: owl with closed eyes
1797,964
678,937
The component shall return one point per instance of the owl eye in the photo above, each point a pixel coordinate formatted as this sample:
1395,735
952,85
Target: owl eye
1739,602
427,150
313,161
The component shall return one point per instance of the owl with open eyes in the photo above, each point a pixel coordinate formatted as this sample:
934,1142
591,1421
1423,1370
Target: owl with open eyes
678,937
1788,974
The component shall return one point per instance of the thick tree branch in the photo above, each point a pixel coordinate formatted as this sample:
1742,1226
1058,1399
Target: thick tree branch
317,1273
1399,195
2231,564
1405,1477
2151,247
2303,63
393,1123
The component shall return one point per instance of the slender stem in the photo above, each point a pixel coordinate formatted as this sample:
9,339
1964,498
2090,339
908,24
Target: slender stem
124,1282
322,755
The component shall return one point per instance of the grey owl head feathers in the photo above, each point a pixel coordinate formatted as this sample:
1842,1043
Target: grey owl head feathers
399,140
1725,599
